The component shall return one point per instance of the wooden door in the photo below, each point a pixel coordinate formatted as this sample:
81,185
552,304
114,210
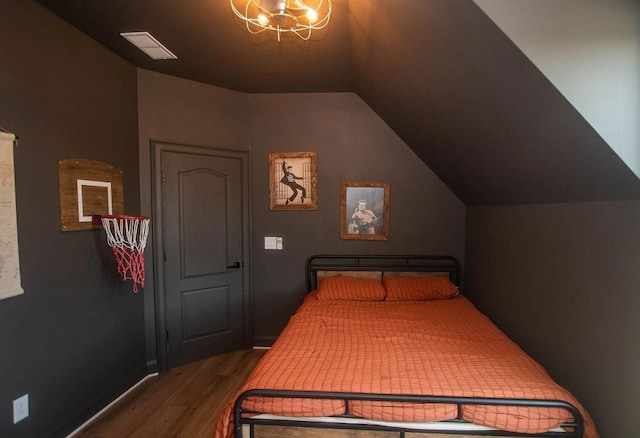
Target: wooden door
203,217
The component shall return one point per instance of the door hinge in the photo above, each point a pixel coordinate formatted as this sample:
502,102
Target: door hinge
167,343
164,254
164,176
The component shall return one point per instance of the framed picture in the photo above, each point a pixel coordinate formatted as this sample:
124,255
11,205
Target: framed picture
293,181
364,210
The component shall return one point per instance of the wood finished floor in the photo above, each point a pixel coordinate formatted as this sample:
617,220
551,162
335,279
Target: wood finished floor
182,402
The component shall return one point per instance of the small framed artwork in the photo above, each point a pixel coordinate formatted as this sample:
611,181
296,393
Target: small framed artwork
364,210
293,180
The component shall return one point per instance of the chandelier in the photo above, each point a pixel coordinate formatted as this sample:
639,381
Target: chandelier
299,17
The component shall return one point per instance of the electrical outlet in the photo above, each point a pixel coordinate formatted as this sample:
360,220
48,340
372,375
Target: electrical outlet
20,408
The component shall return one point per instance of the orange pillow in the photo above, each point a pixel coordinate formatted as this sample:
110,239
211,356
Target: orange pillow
419,288
350,288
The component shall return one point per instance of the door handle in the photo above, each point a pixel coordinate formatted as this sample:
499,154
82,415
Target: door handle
236,265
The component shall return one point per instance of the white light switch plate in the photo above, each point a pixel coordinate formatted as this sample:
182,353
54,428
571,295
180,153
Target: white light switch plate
270,243
20,408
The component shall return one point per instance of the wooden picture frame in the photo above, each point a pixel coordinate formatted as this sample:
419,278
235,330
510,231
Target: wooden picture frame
364,210
293,181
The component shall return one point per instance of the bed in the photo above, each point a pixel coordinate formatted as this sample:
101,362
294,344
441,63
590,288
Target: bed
387,346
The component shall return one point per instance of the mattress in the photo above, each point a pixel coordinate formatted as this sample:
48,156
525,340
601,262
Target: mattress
442,347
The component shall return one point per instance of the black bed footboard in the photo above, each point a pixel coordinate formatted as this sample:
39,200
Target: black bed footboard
573,429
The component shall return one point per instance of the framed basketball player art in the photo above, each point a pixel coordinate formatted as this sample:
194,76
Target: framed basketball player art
364,210
293,180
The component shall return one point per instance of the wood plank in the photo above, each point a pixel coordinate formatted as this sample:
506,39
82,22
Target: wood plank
304,432
93,192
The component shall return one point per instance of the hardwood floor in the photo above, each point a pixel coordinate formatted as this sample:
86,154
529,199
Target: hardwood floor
183,402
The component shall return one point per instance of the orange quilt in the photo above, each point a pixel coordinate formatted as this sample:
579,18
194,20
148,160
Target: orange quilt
440,347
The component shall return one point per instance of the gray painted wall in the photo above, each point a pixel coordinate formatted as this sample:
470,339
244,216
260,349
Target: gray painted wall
352,144
562,281
75,339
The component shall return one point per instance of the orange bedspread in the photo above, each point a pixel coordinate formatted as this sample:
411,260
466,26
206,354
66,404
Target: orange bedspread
442,347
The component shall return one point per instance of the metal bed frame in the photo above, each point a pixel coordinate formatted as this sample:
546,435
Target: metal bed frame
393,263
384,263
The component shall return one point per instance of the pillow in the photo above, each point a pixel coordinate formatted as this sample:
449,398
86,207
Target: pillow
350,288
419,288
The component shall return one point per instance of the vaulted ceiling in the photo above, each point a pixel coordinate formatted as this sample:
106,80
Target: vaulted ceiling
439,72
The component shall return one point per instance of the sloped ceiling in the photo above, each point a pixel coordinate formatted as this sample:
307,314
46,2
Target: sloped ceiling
590,51
439,72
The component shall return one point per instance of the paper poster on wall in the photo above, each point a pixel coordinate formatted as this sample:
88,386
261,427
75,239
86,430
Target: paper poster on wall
10,282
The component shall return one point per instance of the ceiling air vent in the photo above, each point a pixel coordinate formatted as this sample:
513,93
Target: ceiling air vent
149,45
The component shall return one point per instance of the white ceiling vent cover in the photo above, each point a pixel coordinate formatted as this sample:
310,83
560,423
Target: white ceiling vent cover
149,45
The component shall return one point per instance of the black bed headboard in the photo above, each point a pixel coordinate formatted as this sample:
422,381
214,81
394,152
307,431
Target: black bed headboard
383,263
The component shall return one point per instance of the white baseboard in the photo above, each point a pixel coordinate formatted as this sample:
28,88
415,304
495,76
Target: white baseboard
106,408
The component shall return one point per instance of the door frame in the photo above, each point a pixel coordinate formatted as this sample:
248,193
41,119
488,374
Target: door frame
158,148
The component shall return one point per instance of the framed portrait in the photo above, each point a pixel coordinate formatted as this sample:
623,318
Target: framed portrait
364,210
293,181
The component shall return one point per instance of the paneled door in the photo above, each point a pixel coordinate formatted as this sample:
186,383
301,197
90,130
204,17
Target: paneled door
202,286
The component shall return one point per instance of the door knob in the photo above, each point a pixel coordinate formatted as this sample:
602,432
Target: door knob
236,265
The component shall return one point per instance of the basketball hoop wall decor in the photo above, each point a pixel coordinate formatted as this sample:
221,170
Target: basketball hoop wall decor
87,188
127,237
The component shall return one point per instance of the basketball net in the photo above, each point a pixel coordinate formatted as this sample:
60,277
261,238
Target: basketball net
127,237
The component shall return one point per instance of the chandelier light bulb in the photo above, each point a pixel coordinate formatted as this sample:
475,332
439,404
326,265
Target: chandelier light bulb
312,15
263,20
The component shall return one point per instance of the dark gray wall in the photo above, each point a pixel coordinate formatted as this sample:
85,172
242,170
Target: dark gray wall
562,281
352,144
75,339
